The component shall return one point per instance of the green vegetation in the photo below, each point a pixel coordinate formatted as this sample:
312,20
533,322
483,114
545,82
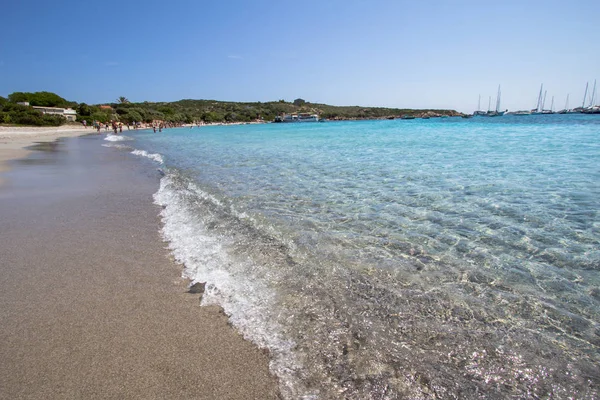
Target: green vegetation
16,114
42,99
188,111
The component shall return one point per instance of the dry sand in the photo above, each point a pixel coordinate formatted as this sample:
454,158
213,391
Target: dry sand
92,305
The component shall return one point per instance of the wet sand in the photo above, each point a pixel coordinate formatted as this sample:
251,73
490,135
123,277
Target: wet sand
14,140
92,305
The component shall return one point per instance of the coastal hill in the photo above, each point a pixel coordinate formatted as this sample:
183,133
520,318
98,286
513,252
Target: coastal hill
188,111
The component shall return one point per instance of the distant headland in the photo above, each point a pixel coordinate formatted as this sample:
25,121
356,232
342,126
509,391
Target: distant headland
50,109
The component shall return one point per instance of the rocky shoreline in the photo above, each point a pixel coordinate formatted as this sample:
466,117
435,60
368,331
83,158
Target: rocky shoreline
407,115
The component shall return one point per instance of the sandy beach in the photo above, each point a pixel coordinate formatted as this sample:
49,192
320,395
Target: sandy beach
13,140
93,305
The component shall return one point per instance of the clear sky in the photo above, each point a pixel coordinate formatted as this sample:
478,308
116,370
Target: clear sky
413,54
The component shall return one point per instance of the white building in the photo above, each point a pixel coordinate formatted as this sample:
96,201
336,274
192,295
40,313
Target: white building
68,113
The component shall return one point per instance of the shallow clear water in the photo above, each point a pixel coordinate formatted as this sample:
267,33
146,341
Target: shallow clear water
441,258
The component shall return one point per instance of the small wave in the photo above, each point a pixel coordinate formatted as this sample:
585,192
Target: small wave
117,138
153,156
237,285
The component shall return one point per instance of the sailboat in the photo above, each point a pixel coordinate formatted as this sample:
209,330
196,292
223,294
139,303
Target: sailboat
592,108
551,110
539,107
566,109
541,103
582,108
593,96
497,112
479,112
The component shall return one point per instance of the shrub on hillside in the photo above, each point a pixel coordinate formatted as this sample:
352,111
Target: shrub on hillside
31,117
42,99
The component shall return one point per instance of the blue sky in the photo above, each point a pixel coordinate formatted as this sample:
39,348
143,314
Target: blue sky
413,54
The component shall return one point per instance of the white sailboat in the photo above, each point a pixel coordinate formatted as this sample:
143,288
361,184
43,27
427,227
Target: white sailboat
585,94
479,112
541,103
593,96
592,108
539,107
551,110
566,109
582,108
497,112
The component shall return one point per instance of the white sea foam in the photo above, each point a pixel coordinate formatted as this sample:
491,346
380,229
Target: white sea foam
236,285
117,138
202,194
153,156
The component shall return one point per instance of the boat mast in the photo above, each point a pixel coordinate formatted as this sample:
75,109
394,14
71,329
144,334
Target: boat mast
490,104
593,95
498,100
552,105
544,101
585,95
567,102
538,108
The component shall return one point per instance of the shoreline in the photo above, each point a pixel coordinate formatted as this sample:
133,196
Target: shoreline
94,305
14,140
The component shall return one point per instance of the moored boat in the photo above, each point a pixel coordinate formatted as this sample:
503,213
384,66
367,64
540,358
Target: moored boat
592,110
520,112
297,117
490,113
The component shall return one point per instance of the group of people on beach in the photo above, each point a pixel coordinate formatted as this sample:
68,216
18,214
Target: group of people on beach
117,127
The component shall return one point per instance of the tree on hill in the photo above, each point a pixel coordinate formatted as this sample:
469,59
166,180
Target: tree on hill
84,110
122,100
19,97
299,102
42,99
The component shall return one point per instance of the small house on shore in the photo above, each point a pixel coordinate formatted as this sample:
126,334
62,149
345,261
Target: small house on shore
68,113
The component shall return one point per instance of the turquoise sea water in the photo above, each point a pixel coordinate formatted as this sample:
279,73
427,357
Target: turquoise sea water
421,259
